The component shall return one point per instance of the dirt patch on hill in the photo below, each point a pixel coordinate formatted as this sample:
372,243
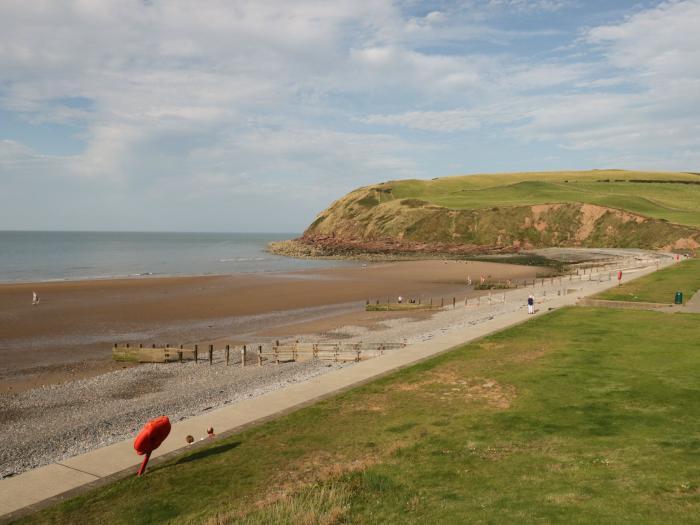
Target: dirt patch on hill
589,215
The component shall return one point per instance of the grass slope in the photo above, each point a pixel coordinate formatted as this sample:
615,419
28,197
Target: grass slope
661,286
582,416
676,199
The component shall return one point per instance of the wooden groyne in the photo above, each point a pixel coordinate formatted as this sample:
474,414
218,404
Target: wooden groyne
245,355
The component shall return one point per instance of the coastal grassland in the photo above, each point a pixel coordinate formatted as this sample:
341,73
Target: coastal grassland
581,416
661,286
674,197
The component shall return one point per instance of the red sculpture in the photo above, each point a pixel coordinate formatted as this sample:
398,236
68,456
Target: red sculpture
150,438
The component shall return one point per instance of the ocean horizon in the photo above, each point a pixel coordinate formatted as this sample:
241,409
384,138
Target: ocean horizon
38,256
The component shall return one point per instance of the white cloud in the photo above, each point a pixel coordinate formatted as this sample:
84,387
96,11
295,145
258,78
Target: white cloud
447,121
245,99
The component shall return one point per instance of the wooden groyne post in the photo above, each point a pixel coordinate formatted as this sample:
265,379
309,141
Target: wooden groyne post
243,352
211,354
228,350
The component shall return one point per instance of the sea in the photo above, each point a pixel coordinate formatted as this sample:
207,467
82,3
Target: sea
34,256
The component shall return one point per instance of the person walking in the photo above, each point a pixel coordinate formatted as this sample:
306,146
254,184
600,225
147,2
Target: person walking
530,304
35,298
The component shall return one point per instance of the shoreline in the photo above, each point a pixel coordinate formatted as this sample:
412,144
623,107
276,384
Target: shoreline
155,275
70,333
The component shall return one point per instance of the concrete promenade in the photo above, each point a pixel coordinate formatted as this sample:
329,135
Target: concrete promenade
40,487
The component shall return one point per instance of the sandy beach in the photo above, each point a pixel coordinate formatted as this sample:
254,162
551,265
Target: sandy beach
62,394
70,334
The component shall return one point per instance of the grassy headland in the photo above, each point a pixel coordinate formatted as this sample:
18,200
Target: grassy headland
505,213
582,416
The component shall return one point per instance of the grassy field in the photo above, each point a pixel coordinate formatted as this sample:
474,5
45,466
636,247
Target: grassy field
582,416
661,286
677,202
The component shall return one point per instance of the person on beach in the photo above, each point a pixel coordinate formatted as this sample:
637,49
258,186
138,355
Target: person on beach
400,299
35,298
530,304
210,432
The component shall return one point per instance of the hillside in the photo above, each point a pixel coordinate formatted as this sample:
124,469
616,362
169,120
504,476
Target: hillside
503,213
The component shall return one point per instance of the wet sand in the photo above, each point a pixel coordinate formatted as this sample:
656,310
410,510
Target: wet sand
70,333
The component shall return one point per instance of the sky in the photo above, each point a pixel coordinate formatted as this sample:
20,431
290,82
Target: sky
236,115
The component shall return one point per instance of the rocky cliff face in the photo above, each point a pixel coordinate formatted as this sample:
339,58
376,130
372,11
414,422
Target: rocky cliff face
372,220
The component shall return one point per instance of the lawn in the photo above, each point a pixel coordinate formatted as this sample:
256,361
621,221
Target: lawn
674,197
661,286
581,416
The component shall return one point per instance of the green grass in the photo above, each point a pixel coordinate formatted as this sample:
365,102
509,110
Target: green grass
661,286
583,416
676,202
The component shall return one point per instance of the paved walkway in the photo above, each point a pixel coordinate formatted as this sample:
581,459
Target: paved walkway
40,487
693,304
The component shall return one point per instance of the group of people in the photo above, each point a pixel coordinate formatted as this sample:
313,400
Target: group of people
190,438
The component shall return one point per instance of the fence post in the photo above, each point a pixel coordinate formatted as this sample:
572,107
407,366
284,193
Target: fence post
211,354
179,355
454,302
196,353
260,355
228,349
442,302
243,353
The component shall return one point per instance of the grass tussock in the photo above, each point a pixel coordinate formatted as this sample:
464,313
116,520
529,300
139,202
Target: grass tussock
324,504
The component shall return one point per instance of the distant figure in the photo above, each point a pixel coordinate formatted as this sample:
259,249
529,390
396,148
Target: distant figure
469,280
530,304
35,298
400,299
210,432
189,439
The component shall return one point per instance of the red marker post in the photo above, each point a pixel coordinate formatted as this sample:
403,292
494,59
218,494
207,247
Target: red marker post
150,438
